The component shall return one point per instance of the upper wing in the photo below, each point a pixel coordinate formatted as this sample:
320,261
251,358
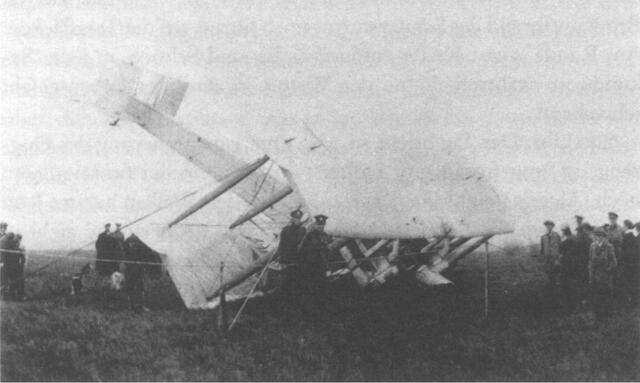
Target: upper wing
410,187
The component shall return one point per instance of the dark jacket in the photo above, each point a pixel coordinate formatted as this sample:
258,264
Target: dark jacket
291,237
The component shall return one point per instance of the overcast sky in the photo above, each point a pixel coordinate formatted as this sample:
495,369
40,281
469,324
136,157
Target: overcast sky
543,97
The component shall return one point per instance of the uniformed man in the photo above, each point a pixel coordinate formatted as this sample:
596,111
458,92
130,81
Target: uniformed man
105,249
22,260
5,255
584,240
602,264
119,252
134,271
314,251
4,286
291,237
569,261
550,254
614,232
11,264
579,222
628,262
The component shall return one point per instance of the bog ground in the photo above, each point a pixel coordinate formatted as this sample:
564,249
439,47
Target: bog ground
400,332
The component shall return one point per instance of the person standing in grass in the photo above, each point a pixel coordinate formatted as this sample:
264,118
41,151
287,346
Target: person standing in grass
602,265
105,249
291,237
22,260
628,262
550,254
570,263
314,252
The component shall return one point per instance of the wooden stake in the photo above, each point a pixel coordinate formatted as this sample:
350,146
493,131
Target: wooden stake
486,280
222,315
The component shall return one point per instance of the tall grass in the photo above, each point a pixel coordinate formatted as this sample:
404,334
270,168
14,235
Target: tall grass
399,332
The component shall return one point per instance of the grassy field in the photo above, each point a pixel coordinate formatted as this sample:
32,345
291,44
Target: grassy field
400,332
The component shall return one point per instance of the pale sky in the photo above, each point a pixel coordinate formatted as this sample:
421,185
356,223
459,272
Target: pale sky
542,96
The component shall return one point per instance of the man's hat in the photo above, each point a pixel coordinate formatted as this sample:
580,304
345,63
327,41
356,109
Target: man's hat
321,219
3,224
579,217
613,215
296,214
566,227
600,232
628,224
107,225
549,223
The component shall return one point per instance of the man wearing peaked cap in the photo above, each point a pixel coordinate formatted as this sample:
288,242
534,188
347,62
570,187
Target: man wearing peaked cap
321,219
628,263
291,237
314,251
550,255
602,264
615,232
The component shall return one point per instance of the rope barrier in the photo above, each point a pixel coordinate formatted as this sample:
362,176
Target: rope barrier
125,226
358,261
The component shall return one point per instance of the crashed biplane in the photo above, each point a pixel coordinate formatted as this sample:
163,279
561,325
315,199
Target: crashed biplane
410,206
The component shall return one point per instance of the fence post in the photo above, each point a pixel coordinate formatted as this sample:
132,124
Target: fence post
222,314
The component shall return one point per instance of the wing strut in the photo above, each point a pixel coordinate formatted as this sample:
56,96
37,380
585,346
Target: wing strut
262,206
228,182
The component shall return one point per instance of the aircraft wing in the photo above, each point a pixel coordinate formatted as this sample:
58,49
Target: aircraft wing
408,188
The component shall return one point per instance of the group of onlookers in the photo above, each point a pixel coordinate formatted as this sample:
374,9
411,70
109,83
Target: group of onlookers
13,259
594,264
123,262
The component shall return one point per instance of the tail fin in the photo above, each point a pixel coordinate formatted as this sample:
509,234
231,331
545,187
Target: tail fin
119,78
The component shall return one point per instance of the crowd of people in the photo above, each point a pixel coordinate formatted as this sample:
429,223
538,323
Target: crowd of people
594,265
13,258
588,265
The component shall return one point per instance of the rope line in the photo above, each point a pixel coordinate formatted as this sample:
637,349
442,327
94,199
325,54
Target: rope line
125,226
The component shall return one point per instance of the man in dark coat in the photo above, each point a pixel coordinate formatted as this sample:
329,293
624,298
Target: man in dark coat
628,263
568,267
314,251
602,265
291,237
105,252
11,264
134,251
550,254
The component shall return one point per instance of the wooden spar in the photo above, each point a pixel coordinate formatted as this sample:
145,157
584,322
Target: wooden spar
259,264
375,247
358,274
486,280
227,183
249,271
395,250
432,245
255,210
380,263
457,242
338,243
454,256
